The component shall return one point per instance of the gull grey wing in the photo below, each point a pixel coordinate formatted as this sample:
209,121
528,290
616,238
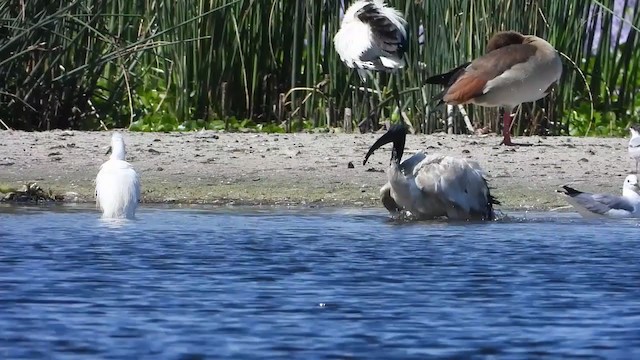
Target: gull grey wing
634,142
601,203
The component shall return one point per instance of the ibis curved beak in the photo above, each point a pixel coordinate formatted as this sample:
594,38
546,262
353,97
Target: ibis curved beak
396,134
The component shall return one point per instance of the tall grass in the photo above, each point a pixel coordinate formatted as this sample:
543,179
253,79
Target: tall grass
158,65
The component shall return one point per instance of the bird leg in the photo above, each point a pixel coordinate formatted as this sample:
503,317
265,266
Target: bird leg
371,113
373,110
506,128
396,95
507,119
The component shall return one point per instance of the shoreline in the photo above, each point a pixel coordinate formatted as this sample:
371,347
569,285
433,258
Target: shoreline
217,168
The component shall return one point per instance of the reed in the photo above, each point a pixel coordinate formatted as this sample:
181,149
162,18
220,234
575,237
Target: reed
155,65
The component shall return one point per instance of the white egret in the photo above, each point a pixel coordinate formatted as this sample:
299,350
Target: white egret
117,183
433,186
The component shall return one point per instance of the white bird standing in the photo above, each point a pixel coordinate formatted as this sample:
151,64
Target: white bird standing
594,205
372,37
117,183
432,186
634,144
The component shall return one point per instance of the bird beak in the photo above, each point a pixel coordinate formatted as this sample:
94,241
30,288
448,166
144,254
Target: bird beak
108,151
383,140
396,134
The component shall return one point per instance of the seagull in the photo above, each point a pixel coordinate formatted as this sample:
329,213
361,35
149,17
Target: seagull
594,205
432,186
117,183
517,68
372,37
634,144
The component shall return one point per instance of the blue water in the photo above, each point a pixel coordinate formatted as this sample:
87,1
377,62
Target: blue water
310,284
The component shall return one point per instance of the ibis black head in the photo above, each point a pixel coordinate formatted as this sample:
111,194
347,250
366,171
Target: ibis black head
397,134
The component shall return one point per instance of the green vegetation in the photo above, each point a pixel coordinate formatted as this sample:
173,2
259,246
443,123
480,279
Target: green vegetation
248,65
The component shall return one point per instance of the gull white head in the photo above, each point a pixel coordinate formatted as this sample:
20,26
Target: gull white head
116,148
631,184
635,130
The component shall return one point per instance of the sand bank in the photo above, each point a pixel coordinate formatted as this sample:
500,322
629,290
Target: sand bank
220,168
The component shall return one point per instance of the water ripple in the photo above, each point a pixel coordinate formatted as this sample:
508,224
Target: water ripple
308,284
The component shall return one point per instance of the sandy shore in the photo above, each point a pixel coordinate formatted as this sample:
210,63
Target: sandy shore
218,168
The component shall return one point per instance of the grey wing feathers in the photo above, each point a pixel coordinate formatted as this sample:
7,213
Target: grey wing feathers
634,147
600,203
458,182
408,166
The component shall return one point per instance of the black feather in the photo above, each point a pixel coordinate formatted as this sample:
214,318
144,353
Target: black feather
571,191
447,79
387,35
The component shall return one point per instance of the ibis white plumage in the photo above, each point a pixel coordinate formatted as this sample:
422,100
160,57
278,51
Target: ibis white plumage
372,37
117,183
433,186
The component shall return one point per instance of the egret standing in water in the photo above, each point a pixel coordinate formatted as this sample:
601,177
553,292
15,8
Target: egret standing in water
117,183
372,37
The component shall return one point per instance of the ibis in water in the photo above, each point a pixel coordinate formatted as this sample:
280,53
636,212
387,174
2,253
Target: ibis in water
432,186
117,183
372,37
517,68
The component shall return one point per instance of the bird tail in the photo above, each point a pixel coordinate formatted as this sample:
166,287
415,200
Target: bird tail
447,79
568,190
491,215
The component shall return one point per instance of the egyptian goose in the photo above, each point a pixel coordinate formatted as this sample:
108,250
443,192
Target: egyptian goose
516,68
432,186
